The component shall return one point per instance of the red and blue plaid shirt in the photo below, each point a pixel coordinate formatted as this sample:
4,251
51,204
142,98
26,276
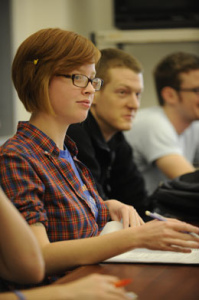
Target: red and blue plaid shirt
44,187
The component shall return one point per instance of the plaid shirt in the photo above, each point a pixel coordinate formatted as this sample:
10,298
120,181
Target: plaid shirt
44,187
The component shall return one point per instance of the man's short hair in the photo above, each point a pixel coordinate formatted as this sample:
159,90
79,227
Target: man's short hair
115,58
168,71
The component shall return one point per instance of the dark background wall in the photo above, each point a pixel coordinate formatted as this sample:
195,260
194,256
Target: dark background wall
6,91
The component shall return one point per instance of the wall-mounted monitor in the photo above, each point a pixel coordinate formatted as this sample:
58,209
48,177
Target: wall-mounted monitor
146,14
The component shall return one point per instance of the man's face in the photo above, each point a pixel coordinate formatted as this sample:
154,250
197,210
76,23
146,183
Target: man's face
115,106
188,106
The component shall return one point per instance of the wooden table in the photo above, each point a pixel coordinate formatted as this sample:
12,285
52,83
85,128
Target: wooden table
150,281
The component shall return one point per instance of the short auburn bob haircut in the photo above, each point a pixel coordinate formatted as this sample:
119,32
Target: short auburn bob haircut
43,55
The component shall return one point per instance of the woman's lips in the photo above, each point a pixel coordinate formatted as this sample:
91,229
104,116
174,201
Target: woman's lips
85,103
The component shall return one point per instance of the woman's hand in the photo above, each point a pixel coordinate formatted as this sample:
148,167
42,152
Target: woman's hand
120,211
170,235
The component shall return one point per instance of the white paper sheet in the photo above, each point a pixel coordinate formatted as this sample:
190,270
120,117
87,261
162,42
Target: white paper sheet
142,255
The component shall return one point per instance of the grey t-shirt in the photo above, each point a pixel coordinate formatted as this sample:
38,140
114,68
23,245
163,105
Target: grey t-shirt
153,136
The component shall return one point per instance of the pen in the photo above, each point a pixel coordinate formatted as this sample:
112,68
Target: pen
123,282
156,216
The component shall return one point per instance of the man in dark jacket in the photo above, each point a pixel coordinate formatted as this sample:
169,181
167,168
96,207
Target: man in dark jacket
100,140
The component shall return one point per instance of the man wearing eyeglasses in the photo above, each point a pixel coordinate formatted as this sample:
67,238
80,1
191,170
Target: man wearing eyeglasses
101,144
165,138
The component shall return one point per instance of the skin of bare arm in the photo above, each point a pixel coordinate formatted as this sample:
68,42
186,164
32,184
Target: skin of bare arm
174,165
157,235
95,286
20,257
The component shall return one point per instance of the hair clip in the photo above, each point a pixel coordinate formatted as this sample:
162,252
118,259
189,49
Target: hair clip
35,61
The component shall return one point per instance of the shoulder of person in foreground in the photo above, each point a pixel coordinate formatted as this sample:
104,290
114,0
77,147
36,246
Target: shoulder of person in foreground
19,262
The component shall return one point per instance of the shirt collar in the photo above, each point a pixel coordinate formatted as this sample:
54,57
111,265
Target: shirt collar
42,140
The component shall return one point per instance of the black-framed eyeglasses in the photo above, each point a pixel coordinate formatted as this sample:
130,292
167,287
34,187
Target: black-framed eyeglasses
193,90
82,81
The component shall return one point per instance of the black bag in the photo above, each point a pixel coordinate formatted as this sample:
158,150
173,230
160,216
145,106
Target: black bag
178,198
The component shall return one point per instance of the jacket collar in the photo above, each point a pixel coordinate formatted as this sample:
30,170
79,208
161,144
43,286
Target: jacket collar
92,126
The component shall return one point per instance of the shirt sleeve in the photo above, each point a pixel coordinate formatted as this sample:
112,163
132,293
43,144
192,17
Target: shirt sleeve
23,187
153,138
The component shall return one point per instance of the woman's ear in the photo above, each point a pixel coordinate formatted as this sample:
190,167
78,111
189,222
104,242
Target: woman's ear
169,94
